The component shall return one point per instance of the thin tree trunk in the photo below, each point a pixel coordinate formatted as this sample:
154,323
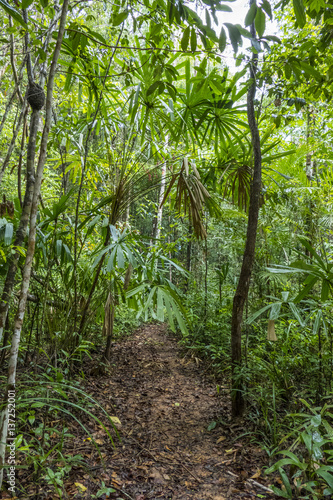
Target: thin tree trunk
23,224
308,163
158,220
206,275
108,325
5,342
19,167
249,252
26,208
12,96
12,142
189,254
12,61
12,364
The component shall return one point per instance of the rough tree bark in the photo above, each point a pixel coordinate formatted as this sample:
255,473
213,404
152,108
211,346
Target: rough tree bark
12,364
249,252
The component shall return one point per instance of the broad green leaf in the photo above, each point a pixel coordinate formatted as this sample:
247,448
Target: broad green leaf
267,8
272,38
306,289
255,315
185,39
160,305
9,231
250,16
310,70
317,322
223,8
286,482
260,22
287,71
120,18
312,251
275,310
193,40
26,3
153,87
207,17
234,35
295,312
299,10
325,289
316,420
328,478
222,39
13,12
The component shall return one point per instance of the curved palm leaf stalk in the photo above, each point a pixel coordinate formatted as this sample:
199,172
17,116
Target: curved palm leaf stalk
249,252
31,241
30,175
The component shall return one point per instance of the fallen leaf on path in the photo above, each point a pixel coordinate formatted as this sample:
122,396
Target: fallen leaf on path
220,439
257,474
116,422
81,487
157,476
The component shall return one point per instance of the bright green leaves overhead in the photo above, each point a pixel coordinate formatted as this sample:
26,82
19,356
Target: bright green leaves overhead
250,16
185,39
193,40
257,15
234,35
119,18
222,39
26,3
12,12
260,22
299,10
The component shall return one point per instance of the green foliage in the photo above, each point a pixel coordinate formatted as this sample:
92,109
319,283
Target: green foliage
47,406
310,470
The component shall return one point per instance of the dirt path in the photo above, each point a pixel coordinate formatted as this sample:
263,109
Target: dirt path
165,405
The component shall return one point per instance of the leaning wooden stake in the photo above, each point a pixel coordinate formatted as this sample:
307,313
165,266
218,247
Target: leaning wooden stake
249,252
12,364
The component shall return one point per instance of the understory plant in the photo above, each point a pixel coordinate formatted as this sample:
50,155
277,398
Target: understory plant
46,412
306,470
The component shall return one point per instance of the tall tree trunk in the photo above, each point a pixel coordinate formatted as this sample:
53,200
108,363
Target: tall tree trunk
108,325
189,254
309,163
158,220
12,96
12,364
27,201
249,252
23,224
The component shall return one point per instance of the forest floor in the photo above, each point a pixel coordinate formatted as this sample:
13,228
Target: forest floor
165,400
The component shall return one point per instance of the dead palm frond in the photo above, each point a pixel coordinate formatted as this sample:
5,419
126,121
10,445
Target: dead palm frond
192,197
